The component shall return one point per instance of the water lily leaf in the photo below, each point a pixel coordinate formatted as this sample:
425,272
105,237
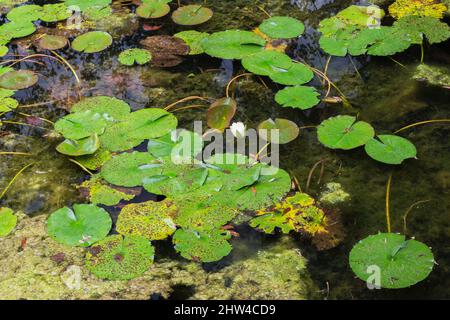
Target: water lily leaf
334,47
96,13
153,9
55,12
418,28
8,221
402,263
266,63
91,42
120,258
151,123
296,74
131,56
193,39
390,149
269,222
421,8
116,138
109,107
179,145
204,246
191,15
28,12
298,97
166,51
86,4
80,125
82,226
220,113
17,29
52,42
100,192
344,132
233,44
130,169
287,130
17,80
3,50
282,27
81,147
7,104
96,160
152,220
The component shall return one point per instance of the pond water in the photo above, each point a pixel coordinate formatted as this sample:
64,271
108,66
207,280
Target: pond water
383,94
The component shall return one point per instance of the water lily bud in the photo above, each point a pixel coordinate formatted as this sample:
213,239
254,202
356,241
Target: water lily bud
238,129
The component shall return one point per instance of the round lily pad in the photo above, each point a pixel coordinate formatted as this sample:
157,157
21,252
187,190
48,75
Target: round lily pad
80,125
297,74
17,80
282,27
151,123
96,160
401,263
344,132
109,107
81,147
120,258
233,44
131,56
179,145
130,169
55,12
153,9
204,245
390,149
91,42
28,12
86,4
96,13
52,42
287,130
152,220
82,226
191,15
8,221
265,63
116,138
18,29
298,97
220,113
193,39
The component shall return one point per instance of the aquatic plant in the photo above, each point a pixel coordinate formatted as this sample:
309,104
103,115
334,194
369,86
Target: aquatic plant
8,221
86,4
25,13
167,51
181,145
18,79
152,220
421,8
152,9
99,192
390,149
55,12
81,147
120,258
193,39
93,41
202,245
7,104
298,97
52,42
401,263
131,56
282,27
82,226
191,15
220,113
287,130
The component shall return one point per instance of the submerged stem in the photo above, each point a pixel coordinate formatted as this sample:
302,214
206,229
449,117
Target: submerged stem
5,153
170,106
23,124
14,179
81,166
421,123
227,91
405,216
388,196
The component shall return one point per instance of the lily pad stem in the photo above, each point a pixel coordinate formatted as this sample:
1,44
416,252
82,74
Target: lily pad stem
388,196
170,106
421,123
405,216
227,91
14,179
6,153
81,166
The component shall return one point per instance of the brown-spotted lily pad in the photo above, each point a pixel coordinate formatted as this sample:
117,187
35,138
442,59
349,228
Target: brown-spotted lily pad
191,15
167,51
17,80
52,42
220,114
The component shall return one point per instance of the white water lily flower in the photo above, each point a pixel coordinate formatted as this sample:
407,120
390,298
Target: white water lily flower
238,129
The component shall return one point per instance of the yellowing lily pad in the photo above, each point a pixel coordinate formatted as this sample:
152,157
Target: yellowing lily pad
287,130
17,80
152,9
52,42
191,15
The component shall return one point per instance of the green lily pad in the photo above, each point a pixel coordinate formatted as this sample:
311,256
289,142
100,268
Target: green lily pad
8,221
109,107
151,220
282,27
344,132
269,222
82,226
86,4
151,123
287,130
191,15
131,56
179,145
17,29
120,258
3,50
96,160
232,44
17,80
131,169
418,28
28,12
297,74
193,39
153,9
300,97
220,113
55,12
402,263
97,13
204,246
116,138
91,42
266,63
81,147
52,42
77,126
7,104
390,149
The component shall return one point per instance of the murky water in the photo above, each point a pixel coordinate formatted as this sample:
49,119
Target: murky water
384,95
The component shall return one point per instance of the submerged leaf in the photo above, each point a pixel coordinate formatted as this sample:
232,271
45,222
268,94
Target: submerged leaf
220,113
17,80
52,42
287,130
